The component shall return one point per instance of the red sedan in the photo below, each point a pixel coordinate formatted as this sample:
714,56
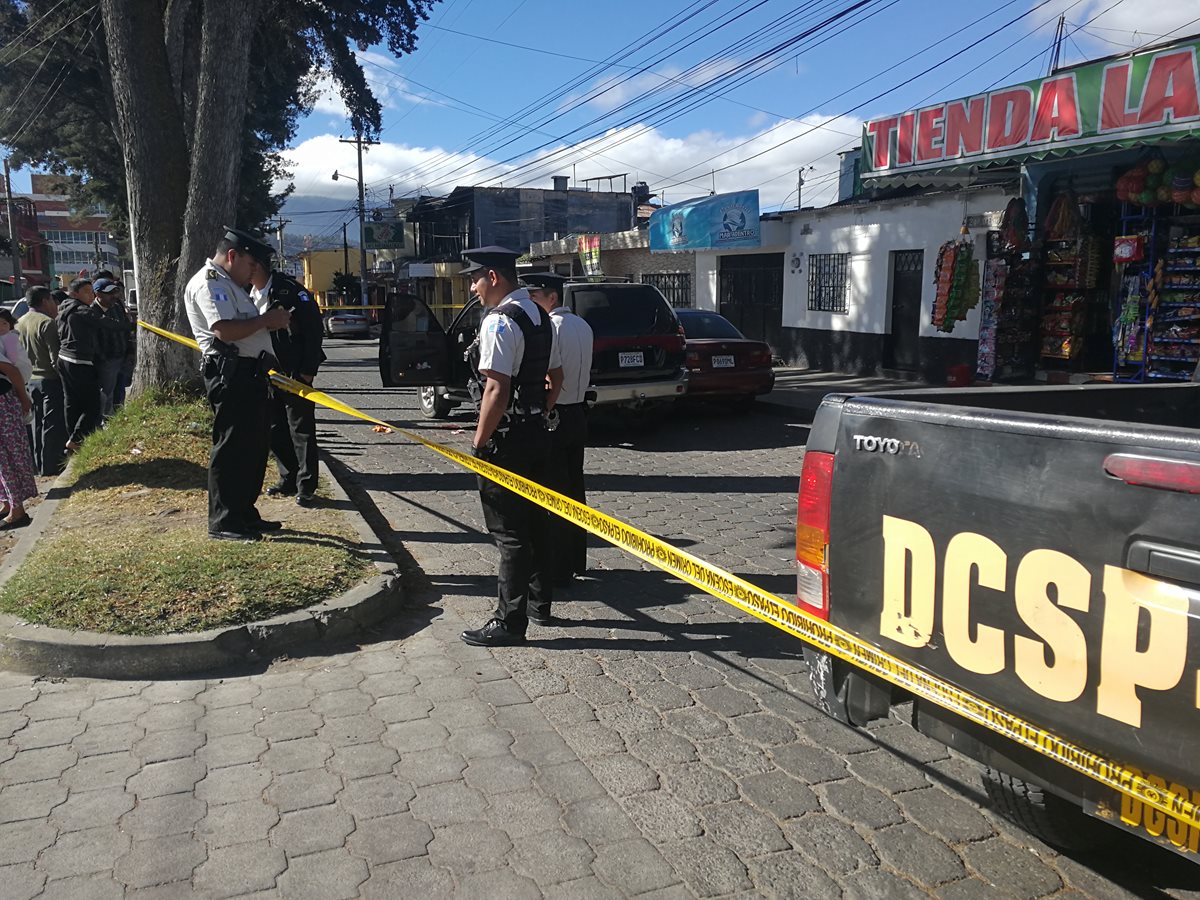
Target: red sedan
721,362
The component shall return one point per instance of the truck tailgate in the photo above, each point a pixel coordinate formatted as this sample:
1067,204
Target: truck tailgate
994,549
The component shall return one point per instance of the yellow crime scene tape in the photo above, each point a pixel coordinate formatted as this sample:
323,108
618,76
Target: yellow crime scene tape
770,609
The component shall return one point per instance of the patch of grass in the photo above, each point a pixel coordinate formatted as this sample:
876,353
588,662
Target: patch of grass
128,552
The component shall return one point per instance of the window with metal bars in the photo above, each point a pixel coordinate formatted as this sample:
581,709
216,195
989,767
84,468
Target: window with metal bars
675,286
828,282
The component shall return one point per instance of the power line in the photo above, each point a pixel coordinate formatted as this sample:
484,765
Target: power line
548,99
9,62
890,90
887,71
673,108
666,105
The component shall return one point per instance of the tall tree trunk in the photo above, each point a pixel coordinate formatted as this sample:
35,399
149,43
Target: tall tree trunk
217,138
156,172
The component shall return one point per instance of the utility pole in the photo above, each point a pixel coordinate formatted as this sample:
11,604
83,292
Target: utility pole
279,236
1059,36
362,214
800,190
12,231
97,258
345,251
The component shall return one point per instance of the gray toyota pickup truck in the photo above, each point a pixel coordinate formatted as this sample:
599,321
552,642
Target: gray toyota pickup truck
1039,547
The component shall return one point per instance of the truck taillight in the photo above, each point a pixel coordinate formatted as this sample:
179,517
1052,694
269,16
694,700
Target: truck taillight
812,533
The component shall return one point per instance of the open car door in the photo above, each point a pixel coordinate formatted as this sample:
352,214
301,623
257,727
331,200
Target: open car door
413,347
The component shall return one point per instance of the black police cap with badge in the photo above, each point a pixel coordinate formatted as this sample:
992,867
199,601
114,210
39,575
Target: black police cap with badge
491,257
544,281
245,242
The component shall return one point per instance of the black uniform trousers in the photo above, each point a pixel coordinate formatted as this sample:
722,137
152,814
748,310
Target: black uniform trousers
294,441
518,526
49,427
81,390
564,473
240,443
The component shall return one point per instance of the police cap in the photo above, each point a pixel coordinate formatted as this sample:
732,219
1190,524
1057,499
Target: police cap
543,281
492,257
246,242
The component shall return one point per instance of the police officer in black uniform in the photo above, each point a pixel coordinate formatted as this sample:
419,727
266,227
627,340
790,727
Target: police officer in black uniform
298,350
512,359
236,346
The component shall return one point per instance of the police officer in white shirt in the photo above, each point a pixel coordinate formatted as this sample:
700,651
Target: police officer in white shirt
236,344
517,380
564,470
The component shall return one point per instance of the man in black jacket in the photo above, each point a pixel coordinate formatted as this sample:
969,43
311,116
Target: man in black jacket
298,349
80,327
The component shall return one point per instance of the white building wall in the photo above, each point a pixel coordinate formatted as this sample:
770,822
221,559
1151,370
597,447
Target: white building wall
869,233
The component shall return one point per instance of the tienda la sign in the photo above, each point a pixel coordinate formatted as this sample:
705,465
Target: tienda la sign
1110,102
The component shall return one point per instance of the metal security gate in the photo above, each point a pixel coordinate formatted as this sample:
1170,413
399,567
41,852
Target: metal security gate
675,286
750,295
902,343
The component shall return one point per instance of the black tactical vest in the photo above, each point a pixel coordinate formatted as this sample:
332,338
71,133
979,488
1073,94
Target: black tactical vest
528,394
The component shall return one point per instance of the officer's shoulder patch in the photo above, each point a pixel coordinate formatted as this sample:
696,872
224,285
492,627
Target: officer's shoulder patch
497,325
219,296
211,275
304,298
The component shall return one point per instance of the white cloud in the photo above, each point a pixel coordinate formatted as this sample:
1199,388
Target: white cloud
1129,24
611,91
389,88
662,161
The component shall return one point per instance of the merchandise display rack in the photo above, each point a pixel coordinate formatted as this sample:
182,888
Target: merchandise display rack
1068,275
1166,346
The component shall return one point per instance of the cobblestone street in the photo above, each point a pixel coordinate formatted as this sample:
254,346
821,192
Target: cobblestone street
662,744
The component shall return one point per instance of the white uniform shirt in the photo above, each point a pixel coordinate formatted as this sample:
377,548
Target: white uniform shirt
211,297
502,343
262,299
573,338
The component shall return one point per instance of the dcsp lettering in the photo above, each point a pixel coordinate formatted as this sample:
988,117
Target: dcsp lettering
1143,623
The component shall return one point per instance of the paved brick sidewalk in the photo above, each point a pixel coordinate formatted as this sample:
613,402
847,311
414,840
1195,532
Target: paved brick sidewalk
664,746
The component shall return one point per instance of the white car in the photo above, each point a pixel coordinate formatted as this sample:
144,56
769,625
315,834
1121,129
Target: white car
347,324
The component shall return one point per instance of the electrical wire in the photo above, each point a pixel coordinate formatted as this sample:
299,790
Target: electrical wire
888,71
890,90
787,44
697,97
61,28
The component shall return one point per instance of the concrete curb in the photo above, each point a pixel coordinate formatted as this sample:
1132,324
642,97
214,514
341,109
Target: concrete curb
40,650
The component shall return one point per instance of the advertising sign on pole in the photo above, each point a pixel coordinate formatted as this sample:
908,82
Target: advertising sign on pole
384,235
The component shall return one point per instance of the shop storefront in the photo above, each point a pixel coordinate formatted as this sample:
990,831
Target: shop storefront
1094,269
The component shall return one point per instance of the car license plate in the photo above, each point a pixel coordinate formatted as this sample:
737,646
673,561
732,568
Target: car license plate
629,360
722,362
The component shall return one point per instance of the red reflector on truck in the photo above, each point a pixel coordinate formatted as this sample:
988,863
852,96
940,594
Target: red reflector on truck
1156,472
812,533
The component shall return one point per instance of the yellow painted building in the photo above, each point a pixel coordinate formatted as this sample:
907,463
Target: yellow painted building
319,266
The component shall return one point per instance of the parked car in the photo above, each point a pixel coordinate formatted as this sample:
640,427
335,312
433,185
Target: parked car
721,361
637,356
344,323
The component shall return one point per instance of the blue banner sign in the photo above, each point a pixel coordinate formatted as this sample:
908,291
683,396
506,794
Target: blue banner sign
724,221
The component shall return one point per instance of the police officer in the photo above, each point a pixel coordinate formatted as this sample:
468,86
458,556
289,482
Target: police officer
517,379
298,350
235,341
564,470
